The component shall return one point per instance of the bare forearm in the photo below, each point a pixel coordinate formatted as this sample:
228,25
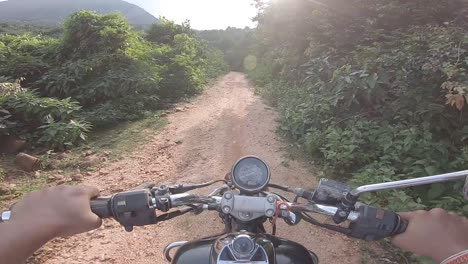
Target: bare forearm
19,241
40,216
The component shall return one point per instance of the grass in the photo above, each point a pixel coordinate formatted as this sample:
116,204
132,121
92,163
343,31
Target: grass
114,142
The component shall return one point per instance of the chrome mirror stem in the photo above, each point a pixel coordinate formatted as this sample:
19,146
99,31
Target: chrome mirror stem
458,175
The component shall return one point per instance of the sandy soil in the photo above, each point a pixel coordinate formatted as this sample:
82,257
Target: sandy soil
201,143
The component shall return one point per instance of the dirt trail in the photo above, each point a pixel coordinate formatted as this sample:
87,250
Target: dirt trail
200,143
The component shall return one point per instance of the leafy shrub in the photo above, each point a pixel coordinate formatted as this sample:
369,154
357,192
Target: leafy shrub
125,109
103,65
165,30
99,79
35,110
101,58
59,135
215,63
234,43
7,89
376,97
183,72
87,33
25,56
46,121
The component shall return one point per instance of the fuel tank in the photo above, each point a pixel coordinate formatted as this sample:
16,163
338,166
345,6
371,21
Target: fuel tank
244,247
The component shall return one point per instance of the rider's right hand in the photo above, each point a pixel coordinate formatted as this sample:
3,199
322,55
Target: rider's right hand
436,233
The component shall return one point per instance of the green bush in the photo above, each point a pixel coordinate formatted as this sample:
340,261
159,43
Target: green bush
125,109
183,71
87,33
60,135
165,30
7,89
102,70
215,63
101,58
31,108
48,122
375,97
25,56
234,43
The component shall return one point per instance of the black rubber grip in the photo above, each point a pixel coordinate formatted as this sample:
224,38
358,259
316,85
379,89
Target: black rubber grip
401,226
101,206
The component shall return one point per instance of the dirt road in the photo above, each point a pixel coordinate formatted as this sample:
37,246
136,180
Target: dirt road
201,143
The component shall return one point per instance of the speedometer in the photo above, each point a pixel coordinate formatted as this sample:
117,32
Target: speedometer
250,174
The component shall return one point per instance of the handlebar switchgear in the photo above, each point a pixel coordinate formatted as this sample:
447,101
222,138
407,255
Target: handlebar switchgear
132,208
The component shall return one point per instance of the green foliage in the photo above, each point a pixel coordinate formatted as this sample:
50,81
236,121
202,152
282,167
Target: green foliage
33,109
215,65
375,90
48,122
124,109
235,43
25,56
21,29
87,33
186,61
102,70
101,58
58,135
165,30
184,74
7,124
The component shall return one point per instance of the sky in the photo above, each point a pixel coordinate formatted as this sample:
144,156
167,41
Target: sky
203,14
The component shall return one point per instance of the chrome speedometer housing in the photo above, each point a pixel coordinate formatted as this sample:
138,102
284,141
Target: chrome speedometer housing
250,175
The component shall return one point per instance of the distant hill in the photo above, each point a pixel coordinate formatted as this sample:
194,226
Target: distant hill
54,12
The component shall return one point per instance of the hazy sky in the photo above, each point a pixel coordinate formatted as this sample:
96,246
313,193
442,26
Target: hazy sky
203,14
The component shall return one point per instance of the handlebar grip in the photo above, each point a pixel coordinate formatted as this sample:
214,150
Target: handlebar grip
101,206
375,224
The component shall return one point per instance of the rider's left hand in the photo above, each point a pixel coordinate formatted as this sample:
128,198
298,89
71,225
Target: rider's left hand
59,211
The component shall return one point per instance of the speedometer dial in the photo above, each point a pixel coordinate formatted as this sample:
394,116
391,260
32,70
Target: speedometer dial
250,174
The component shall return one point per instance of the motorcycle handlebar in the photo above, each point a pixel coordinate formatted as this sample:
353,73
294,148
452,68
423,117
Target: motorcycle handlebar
138,208
102,206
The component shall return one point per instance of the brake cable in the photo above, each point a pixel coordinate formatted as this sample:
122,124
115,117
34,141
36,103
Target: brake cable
278,209
177,189
174,214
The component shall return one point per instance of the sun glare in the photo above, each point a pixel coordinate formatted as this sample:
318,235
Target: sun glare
209,14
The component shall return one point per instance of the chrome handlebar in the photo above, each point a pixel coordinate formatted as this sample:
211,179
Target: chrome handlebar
324,210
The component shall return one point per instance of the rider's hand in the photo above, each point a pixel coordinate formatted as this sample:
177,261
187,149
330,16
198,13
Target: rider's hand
59,211
436,233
